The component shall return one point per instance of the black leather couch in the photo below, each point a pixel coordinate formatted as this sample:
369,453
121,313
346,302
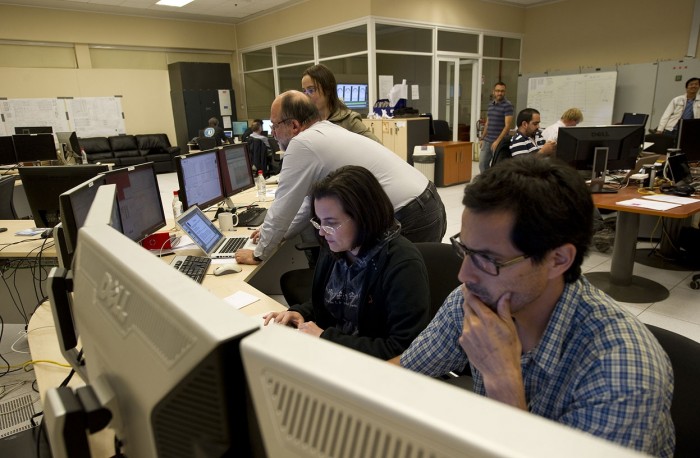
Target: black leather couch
125,150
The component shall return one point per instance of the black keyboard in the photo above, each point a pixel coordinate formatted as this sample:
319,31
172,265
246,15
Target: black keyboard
251,216
194,267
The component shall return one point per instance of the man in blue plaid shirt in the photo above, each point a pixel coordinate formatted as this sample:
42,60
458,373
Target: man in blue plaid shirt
535,333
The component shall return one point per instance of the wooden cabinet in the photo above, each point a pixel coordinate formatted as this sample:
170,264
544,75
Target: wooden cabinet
400,135
453,162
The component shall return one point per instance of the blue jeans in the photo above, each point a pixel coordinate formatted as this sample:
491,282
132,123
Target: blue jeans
424,218
485,156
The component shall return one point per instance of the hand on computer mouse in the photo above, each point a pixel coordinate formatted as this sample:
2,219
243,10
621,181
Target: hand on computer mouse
227,269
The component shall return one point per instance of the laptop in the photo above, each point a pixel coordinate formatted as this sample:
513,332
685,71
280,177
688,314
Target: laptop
207,236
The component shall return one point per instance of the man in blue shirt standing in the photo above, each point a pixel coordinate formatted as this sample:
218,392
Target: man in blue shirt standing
529,137
535,333
499,119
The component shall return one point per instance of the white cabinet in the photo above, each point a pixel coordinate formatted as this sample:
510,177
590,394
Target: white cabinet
400,135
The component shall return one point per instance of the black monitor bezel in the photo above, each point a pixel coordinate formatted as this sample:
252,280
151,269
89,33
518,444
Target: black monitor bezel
69,219
8,156
227,185
34,147
630,119
689,139
39,188
112,176
182,193
33,130
576,145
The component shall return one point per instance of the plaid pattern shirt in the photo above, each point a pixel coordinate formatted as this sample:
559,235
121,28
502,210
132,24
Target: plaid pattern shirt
596,368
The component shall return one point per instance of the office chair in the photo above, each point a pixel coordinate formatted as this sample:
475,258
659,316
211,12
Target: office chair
685,408
7,190
442,131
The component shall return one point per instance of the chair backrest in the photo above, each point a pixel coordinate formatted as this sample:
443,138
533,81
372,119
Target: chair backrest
443,266
442,131
503,151
685,409
7,190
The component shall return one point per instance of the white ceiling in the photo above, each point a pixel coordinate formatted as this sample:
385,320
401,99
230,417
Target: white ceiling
224,11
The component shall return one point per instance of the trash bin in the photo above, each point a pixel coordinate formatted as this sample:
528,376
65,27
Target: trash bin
424,160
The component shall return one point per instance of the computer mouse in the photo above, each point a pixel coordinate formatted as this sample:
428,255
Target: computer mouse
225,269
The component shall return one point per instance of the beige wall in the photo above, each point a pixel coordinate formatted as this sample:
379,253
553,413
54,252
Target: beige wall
595,33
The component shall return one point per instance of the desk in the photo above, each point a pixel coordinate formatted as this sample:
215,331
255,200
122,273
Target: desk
620,283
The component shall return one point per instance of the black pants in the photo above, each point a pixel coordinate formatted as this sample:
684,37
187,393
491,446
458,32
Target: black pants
424,219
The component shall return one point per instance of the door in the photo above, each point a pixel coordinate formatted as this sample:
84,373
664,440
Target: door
457,96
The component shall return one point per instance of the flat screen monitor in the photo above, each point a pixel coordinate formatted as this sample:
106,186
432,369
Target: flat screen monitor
577,145
317,398
199,179
236,171
34,130
35,147
70,140
228,133
7,151
239,127
44,184
353,95
164,346
75,204
267,126
138,196
680,169
639,119
689,139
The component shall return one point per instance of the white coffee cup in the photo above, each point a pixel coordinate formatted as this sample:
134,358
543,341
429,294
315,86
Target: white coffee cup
227,222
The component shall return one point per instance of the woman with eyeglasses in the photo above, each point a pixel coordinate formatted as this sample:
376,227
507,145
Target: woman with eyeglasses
370,287
319,84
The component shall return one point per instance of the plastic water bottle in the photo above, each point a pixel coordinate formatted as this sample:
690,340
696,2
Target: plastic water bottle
260,181
83,156
177,205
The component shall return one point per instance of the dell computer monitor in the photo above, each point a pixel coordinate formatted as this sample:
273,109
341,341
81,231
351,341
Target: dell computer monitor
164,348
354,96
44,184
7,151
138,196
199,179
33,130
75,204
577,145
35,147
236,171
639,119
689,139
70,140
239,127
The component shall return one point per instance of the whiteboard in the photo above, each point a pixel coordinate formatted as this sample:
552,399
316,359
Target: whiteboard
87,116
593,93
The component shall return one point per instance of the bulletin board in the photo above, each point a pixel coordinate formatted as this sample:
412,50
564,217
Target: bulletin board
593,93
87,116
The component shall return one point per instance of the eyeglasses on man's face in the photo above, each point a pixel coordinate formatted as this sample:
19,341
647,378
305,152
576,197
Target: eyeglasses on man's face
482,261
276,125
330,230
309,90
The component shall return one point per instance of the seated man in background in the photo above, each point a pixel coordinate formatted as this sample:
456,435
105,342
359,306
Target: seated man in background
360,297
315,148
256,132
529,138
216,132
570,118
535,333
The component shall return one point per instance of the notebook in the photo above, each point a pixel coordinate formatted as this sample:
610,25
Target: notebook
207,236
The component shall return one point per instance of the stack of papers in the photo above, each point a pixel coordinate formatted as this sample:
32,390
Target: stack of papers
659,202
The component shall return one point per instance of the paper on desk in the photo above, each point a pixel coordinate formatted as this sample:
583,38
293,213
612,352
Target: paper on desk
673,199
650,204
240,299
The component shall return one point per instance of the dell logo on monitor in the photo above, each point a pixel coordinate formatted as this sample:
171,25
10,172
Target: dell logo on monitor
601,133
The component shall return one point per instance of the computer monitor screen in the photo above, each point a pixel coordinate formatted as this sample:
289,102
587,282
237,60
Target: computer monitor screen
239,127
199,179
236,172
679,168
577,145
70,139
639,119
317,398
353,95
267,126
228,133
35,147
138,196
164,346
44,184
34,130
75,204
7,151
689,139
